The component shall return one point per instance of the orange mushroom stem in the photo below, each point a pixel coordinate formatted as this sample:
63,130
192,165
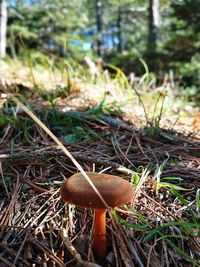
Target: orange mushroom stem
100,232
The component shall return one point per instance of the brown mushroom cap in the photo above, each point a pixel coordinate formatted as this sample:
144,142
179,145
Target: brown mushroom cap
114,190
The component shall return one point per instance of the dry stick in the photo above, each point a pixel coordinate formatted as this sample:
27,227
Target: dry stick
148,264
36,187
47,251
4,183
165,248
54,153
74,252
6,262
51,245
132,249
5,134
126,257
20,249
123,252
121,152
14,227
142,252
62,147
140,147
130,246
157,214
116,150
13,252
21,155
64,167
117,123
114,249
90,255
36,217
130,144
155,202
5,218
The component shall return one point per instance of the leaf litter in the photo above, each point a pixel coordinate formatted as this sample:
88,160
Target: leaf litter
160,228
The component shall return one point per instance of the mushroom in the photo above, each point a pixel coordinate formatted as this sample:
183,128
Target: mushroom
114,190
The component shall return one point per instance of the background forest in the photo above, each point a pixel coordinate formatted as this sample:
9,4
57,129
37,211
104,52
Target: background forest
164,33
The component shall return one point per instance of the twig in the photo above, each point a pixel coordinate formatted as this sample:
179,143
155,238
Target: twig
158,204
4,183
125,255
74,252
12,252
6,262
47,251
36,187
20,249
57,153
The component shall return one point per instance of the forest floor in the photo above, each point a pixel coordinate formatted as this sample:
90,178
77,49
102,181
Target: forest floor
106,128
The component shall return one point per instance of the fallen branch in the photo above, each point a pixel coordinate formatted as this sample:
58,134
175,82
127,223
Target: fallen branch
74,252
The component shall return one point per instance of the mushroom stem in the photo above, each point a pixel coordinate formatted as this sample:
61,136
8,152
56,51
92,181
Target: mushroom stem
100,232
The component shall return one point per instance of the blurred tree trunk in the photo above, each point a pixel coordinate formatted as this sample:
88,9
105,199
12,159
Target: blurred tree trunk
3,24
153,24
99,21
119,30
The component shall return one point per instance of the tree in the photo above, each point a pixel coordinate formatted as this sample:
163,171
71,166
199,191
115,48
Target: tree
3,24
183,46
47,26
99,21
153,24
119,30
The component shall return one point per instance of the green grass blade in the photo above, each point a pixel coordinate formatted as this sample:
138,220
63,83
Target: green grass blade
181,252
180,197
169,178
186,225
197,200
129,224
160,169
185,203
173,186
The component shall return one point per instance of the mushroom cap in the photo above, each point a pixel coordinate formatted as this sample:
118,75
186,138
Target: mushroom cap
114,190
